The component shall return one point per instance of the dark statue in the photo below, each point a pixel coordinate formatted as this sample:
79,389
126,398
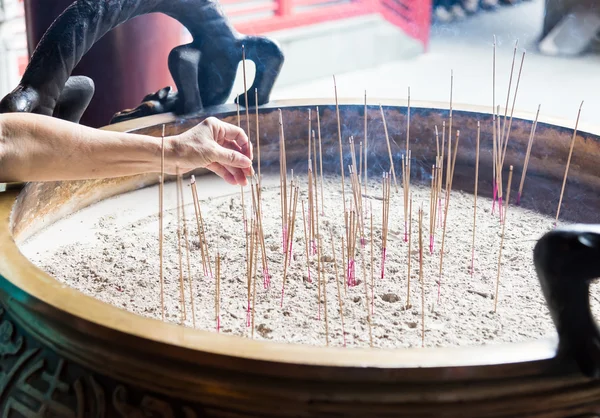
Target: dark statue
204,70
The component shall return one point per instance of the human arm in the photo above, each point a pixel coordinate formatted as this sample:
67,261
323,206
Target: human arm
40,148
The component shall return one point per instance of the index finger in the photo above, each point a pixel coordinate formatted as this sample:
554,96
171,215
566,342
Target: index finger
232,133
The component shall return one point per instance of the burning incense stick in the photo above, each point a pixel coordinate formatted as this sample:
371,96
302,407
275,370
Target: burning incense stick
320,161
339,126
387,140
475,198
527,154
408,305
421,277
510,174
337,284
448,192
179,251
161,192
562,191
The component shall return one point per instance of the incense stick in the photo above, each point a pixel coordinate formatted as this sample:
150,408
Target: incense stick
408,305
372,263
421,277
254,238
306,242
387,140
510,174
339,126
448,192
320,161
201,233
324,281
527,155
218,292
246,105
507,134
179,251
257,135
337,284
161,189
562,191
187,253
475,198
366,147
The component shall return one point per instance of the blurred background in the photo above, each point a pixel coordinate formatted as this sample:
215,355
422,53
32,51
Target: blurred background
381,46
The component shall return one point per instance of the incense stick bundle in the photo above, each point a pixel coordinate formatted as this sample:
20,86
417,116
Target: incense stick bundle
475,198
187,253
257,191
562,191
337,284
387,140
309,280
203,244
527,154
291,227
510,174
161,193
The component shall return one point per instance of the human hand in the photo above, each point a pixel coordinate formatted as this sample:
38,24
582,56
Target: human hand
218,146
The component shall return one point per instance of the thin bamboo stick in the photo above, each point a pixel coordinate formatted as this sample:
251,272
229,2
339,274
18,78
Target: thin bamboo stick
527,155
337,283
161,189
562,191
510,174
387,140
475,198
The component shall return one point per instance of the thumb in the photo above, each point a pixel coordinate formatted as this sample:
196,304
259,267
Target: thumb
231,158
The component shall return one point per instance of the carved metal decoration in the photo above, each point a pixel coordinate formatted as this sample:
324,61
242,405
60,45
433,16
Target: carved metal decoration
566,260
37,383
204,70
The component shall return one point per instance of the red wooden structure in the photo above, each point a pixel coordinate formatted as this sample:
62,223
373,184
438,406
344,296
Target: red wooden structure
412,16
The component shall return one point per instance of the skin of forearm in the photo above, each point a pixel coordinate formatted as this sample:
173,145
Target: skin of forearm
40,148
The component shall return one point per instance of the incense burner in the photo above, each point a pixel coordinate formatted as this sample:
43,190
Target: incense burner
75,356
